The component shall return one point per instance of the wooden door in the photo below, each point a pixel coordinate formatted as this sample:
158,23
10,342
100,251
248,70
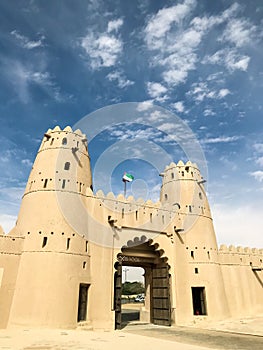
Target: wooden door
117,295
161,308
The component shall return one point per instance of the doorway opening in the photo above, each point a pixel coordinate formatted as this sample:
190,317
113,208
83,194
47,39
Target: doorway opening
133,293
199,301
83,302
154,300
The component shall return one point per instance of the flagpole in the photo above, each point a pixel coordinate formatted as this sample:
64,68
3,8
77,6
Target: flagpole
124,188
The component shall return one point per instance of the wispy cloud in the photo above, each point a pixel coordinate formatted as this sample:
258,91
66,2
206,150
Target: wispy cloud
221,139
229,58
120,78
239,31
115,25
209,112
23,77
26,43
156,91
174,39
258,175
103,49
160,24
202,90
258,147
259,161
179,106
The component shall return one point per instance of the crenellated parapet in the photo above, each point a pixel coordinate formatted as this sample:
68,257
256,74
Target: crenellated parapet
62,163
11,245
244,256
183,185
131,212
182,171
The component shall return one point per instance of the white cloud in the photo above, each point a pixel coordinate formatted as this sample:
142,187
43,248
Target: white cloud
114,25
26,162
175,42
259,161
145,105
175,76
26,43
179,106
161,23
23,77
201,91
103,49
156,90
258,175
258,147
229,58
208,112
120,78
223,92
221,139
239,31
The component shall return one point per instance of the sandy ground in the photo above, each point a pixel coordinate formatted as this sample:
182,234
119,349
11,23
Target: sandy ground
80,340
45,339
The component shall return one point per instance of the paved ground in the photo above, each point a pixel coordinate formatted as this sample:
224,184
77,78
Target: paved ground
213,339
245,334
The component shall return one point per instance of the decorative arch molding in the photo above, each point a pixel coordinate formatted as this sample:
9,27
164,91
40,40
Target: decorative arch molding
142,252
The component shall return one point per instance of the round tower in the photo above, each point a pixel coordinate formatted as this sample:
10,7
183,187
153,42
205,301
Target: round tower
55,259
199,283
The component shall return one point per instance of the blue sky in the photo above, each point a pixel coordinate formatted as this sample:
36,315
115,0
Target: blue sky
201,60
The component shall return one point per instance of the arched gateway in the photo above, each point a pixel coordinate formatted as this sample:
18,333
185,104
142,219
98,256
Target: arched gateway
146,254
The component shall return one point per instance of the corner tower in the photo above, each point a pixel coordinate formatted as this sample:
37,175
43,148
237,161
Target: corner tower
55,259
199,283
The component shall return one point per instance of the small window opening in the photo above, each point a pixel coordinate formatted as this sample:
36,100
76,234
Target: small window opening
192,254
202,210
44,243
182,173
192,174
172,175
68,243
199,301
45,183
200,195
77,143
165,196
208,254
122,213
151,217
84,264
187,168
80,184
190,209
163,219
136,215
51,142
63,183
196,270
64,141
87,246
67,166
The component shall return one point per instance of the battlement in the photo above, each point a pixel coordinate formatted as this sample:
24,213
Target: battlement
65,138
181,171
232,255
240,250
11,244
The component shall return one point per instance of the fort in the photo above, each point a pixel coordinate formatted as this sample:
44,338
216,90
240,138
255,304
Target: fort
61,265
